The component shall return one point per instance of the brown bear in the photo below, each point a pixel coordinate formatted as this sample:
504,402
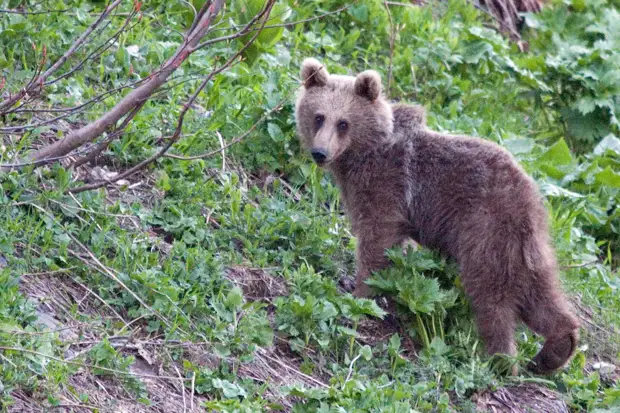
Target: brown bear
463,196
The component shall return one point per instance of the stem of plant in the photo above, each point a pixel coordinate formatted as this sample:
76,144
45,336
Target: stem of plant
423,332
352,340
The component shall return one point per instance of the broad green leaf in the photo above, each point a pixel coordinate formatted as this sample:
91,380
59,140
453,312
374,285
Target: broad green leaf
366,352
438,347
359,12
275,132
585,105
608,177
558,154
474,51
394,343
586,128
229,389
234,298
348,331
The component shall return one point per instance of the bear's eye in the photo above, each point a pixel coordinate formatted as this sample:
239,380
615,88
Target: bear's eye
343,125
318,120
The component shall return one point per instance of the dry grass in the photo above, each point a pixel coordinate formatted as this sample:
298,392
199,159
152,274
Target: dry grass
525,398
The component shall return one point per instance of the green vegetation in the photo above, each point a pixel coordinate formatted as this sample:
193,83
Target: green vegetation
221,274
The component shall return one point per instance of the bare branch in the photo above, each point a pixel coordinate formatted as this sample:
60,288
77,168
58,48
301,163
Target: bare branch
7,103
240,137
248,28
246,133
198,15
67,111
392,37
103,145
31,13
79,137
177,133
91,366
583,264
73,109
39,163
98,51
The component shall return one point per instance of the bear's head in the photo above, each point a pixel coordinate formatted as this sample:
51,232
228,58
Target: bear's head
339,114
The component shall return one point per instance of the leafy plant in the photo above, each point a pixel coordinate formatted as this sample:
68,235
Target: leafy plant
421,295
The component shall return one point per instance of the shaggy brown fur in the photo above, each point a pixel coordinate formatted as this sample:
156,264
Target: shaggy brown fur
464,196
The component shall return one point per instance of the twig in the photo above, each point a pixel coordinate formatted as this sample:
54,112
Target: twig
191,398
79,137
219,138
181,385
248,28
38,163
415,80
238,138
92,407
246,133
31,13
38,274
79,107
90,211
392,38
105,270
135,320
104,302
287,367
99,50
7,103
583,264
177,133
68,111
351,369
91,366
395,3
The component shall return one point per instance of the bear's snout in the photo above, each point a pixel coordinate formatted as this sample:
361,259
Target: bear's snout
319,155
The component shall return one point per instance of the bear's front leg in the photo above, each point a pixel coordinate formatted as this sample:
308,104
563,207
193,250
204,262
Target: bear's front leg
371,246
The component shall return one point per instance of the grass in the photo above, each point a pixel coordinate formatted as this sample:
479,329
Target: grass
213,284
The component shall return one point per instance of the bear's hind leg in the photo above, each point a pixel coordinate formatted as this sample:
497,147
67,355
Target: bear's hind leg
546,312
496,325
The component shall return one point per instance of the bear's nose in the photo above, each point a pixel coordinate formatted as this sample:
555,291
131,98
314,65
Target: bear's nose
319,155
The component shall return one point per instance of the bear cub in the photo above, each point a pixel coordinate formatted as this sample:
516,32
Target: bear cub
464,196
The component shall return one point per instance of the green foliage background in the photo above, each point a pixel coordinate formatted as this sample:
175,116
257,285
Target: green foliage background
556,108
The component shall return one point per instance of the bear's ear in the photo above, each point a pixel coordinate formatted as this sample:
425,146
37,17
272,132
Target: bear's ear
313,73
368,85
